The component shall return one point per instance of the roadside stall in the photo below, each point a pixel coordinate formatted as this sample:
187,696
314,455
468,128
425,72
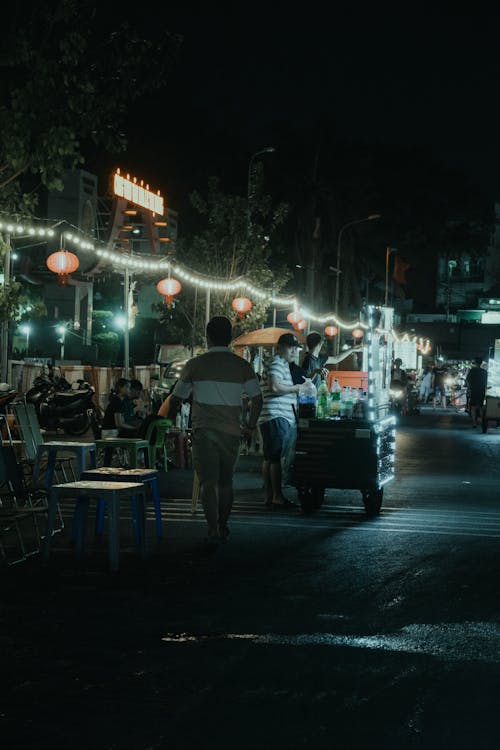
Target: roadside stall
352,448
491,411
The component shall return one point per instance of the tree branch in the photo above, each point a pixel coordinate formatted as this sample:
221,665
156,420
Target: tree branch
14,176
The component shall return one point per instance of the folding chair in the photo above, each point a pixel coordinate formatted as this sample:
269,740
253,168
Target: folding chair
32,435
11,530
19,502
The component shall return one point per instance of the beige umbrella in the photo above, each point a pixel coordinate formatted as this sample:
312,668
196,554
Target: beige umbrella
264,337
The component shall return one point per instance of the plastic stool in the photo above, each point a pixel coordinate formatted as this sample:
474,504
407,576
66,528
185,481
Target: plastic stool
148,477
195,493
83,491
132,445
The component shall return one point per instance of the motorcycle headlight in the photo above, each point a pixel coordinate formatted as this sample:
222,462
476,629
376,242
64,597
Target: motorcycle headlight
396,394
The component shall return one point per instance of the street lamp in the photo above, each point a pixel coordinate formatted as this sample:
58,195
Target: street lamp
265,150
61,330
451,265
26,329
371,217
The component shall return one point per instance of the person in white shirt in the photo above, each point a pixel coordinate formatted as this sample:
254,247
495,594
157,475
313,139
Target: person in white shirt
278,421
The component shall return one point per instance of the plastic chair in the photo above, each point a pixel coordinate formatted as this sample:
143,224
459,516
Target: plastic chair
195,492
156,435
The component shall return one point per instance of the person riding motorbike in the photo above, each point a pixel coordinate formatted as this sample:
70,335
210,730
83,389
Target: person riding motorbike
399,386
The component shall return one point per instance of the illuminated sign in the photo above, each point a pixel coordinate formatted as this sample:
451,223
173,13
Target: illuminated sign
136,193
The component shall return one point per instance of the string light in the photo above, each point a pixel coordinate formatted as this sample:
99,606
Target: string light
152,266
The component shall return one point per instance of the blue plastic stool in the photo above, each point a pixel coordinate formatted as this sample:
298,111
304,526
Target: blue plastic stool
149,477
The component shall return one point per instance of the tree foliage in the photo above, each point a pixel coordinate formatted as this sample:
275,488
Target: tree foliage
69,73
237,241
69,78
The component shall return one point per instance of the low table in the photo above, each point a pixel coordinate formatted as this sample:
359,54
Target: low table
52,447
149,477
113,493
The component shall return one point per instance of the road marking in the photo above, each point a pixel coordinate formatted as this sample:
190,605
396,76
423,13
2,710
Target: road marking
430,522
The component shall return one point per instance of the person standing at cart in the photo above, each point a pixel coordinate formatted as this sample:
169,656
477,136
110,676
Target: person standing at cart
277,421
475,382
314,362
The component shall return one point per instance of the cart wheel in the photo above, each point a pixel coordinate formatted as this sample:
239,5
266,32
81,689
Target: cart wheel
372,500
310,498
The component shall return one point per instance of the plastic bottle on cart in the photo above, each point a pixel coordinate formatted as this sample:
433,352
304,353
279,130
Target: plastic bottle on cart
322,406
348,403
359,406
342,402
334,405
355,397
307,399
334,402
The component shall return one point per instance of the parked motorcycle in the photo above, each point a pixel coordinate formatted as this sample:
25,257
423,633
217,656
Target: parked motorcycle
60,405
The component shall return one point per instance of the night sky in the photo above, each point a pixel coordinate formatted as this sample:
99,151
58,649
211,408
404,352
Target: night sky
430,80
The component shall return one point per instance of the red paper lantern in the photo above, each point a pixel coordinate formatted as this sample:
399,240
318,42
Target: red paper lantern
241,305
357,333
300,325
169,288
331,331
294,317
62,263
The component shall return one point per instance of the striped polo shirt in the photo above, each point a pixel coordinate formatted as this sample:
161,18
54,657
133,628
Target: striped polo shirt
218,381
277,404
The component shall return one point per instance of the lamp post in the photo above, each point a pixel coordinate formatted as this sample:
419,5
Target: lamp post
265,150
26,329
451,265
4,352
371,217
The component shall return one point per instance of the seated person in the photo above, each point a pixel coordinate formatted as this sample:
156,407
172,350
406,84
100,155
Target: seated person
135,404
114,423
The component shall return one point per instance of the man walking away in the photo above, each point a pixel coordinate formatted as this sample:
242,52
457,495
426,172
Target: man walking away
476,389
218,381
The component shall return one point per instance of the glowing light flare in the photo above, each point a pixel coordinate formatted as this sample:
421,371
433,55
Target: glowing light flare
357,333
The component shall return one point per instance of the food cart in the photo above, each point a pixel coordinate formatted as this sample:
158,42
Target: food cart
491,410
354,452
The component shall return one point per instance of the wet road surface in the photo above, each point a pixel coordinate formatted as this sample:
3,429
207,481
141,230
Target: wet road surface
324,631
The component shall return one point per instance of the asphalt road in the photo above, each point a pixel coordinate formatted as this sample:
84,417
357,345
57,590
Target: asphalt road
325,631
